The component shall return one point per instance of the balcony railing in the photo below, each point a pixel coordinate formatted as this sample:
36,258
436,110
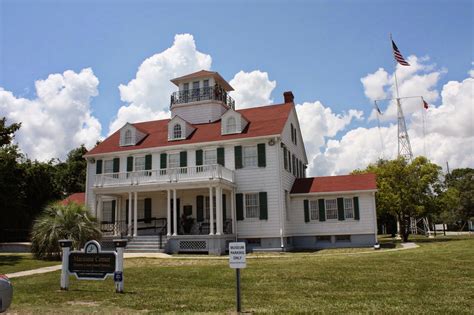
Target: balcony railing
215,93
162,176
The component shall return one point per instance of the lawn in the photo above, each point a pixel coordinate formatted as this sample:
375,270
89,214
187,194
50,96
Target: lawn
437,277
15,262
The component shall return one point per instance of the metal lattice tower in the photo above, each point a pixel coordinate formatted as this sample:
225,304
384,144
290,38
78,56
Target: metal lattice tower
404,146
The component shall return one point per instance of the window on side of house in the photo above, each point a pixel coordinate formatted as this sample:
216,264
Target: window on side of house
250,156
343,238
348,208
314,210
173,160
210,157
331,209
206,88
128,137
323,238
231,126
108,166
177,132
139,163
252,207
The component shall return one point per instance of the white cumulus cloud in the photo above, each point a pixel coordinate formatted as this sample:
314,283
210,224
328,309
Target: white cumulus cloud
59,118
252,89
148,94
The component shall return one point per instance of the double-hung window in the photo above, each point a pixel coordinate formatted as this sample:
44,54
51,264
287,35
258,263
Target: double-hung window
108,166
250,156
173,160
177,131
331,209
210,157
314,209
206,89
128,137
252,207
348,208
107,210
139,163
231,125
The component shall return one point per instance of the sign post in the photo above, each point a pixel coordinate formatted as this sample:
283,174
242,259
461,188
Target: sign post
66,247
237,260
118,274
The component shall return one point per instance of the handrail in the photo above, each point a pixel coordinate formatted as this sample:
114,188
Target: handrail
176,174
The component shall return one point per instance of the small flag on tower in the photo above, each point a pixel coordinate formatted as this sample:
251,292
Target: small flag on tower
425,105
398,55
377,108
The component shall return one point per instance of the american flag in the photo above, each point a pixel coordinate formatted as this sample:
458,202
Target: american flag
398,55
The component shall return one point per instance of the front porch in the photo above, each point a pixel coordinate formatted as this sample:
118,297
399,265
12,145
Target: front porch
184,218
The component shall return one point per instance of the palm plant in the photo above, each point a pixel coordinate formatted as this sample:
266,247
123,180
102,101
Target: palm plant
58,221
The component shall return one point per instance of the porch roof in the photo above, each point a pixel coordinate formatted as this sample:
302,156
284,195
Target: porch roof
341,183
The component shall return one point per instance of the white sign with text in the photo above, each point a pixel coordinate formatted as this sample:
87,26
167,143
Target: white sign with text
237,255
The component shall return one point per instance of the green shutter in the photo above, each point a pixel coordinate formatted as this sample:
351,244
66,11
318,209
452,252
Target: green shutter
289,161
239,202
263,205
116,165
129,163
148,162
285,159
199,208
126,211
198,157
183,158
322,210
238,156
114,203
262,160
340,209
220,156
147,210
356,209
163,160
98,167
224,209
306,210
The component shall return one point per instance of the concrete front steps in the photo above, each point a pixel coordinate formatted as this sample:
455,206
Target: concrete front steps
146,244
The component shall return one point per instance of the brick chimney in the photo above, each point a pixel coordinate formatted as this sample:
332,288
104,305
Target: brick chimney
288,96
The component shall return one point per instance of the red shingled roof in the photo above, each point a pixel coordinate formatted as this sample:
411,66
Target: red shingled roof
334,183
263,121
79,198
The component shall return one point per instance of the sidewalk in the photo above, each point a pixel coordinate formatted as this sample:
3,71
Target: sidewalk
33,271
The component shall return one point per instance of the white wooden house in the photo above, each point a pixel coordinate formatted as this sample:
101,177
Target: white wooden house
212,174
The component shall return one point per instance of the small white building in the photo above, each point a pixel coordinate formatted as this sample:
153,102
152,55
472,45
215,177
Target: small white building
212,174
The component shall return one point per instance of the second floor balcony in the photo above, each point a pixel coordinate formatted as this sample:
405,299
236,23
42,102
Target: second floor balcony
162,176
215,93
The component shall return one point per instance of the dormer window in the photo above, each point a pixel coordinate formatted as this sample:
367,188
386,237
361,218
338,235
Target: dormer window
128,137
231,125
177,132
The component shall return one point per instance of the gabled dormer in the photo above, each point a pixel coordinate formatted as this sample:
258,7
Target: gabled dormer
179,129
202,97
130,135
232,122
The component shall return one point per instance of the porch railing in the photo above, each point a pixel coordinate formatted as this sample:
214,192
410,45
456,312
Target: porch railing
119,227
215,93
168,175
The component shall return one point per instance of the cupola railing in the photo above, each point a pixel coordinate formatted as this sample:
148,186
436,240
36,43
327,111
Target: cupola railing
215,93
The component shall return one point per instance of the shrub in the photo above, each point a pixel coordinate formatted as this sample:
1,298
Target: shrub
71,221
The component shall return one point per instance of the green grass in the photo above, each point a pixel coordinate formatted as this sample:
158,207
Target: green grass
14,262
437,277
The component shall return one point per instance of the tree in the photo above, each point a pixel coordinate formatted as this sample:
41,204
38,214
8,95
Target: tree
406,190
7,132
71,174
58,221
460,193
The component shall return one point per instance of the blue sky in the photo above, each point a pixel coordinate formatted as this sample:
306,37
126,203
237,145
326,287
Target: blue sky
318,49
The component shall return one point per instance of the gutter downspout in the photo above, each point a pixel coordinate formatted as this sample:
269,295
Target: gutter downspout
278,146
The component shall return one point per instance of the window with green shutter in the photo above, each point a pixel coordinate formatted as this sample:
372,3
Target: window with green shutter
199,208
130,164
306,210
322,210
114,204
221,156
262,160
356,209
98,167
262,197
198,157
183,158
238,157
340,209
163,160
285,159
239,203
148,162
116,166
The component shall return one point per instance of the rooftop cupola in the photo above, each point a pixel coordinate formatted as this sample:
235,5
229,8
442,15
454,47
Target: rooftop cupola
202,97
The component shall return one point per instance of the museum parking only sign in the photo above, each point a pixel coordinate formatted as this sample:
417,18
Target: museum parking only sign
237,255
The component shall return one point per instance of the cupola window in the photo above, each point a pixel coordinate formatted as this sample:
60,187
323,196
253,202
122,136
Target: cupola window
231,125
128,137
177,132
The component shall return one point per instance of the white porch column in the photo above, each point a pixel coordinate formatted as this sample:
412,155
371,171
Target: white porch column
175,214
117,216
219,210
129,214
211,210
168,212
232,212
135,217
